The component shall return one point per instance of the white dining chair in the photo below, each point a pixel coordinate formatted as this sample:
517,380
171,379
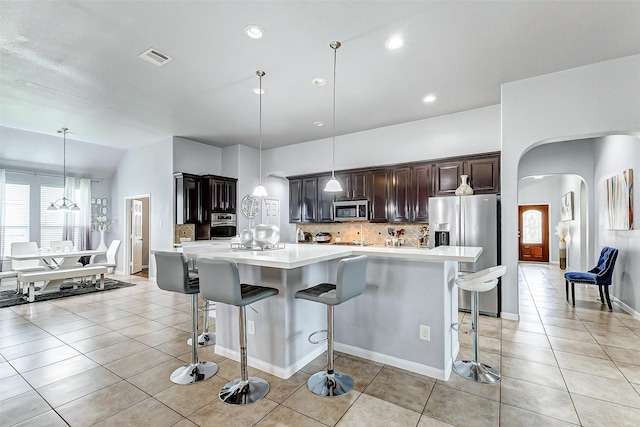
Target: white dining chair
25,248
108,260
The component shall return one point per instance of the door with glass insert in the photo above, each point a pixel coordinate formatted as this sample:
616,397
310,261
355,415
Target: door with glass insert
533,228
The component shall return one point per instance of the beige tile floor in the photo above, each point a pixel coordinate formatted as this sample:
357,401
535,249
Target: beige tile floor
105,359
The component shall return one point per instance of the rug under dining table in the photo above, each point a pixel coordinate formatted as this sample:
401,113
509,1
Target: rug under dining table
9,298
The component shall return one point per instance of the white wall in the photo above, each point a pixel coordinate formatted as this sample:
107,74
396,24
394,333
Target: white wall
588,101
196,158
469,132
615,154
146,170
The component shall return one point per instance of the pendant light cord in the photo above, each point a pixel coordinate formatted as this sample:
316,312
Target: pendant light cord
260,73
335,46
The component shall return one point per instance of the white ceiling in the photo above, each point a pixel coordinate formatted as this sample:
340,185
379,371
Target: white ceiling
76,64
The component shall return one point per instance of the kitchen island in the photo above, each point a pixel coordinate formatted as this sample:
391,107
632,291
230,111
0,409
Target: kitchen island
406,288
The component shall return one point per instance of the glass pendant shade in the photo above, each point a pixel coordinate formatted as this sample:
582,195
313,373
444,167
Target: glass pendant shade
333,185
260,191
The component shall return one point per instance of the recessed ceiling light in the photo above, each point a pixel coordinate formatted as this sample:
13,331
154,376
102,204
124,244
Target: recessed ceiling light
429,98
318,124
319,81
257,91
254,31
394,42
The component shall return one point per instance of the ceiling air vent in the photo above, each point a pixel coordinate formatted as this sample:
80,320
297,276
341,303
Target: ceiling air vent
155,57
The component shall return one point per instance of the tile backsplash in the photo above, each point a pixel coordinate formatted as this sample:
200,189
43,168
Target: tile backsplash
184,231
374,234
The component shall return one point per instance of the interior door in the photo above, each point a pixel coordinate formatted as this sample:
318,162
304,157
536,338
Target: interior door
136,236
533,231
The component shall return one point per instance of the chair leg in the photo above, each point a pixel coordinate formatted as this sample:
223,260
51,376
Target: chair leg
330,382
573,293
601,294
606,294
246,389
566,289
473,370
195,371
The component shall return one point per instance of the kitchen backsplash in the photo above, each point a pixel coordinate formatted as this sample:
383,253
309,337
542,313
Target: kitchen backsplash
374,234
184,231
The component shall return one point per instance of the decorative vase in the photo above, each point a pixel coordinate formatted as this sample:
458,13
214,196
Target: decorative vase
562,246
102,246
464,189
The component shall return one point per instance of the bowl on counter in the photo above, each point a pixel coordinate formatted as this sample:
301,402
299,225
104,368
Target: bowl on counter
323,237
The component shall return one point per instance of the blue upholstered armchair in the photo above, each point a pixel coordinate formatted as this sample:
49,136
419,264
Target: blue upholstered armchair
600,275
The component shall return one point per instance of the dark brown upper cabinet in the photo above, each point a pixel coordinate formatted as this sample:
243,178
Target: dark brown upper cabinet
396,194
484,174
325,200
400,202
303,199
188,199
447,177
422,185
354,185
295,200
222,194
378,195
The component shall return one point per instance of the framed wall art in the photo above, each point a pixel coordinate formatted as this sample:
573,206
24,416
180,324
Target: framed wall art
567,207
619,200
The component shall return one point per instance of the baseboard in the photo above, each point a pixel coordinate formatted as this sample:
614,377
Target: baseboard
441,374
277,371
510,316
626,308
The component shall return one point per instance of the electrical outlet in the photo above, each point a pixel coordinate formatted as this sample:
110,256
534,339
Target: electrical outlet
425,333
251,327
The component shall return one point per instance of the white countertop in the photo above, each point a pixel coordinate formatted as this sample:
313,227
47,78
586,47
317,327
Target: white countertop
298,255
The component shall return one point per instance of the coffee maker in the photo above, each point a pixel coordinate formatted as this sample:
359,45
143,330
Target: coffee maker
441,234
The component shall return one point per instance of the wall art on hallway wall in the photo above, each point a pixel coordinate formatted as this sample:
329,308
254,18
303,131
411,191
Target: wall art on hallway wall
619,193
567,206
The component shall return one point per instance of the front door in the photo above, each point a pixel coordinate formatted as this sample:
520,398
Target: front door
533,230
136,236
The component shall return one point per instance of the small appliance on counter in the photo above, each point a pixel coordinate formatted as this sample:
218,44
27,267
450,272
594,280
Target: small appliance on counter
323,237
304,236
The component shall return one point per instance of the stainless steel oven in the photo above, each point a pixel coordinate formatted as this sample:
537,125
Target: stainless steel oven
223,226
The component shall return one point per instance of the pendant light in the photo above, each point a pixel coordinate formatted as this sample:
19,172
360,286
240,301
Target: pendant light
333,185
64,204
260,191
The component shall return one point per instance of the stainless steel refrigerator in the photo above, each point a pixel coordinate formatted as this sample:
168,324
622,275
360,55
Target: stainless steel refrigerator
473,221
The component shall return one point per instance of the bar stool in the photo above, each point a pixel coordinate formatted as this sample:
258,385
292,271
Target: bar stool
206,338
351,282
220,282
481,281
173,275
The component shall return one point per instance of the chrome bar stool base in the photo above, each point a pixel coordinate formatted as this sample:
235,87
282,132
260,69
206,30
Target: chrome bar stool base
193,373
205,339
239,392
475,371
329,385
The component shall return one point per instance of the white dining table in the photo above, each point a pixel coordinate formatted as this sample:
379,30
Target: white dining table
56,260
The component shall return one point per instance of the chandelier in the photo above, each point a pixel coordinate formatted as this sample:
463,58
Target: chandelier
64,204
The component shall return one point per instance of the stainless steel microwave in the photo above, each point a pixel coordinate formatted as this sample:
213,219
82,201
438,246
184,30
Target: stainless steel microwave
353,210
